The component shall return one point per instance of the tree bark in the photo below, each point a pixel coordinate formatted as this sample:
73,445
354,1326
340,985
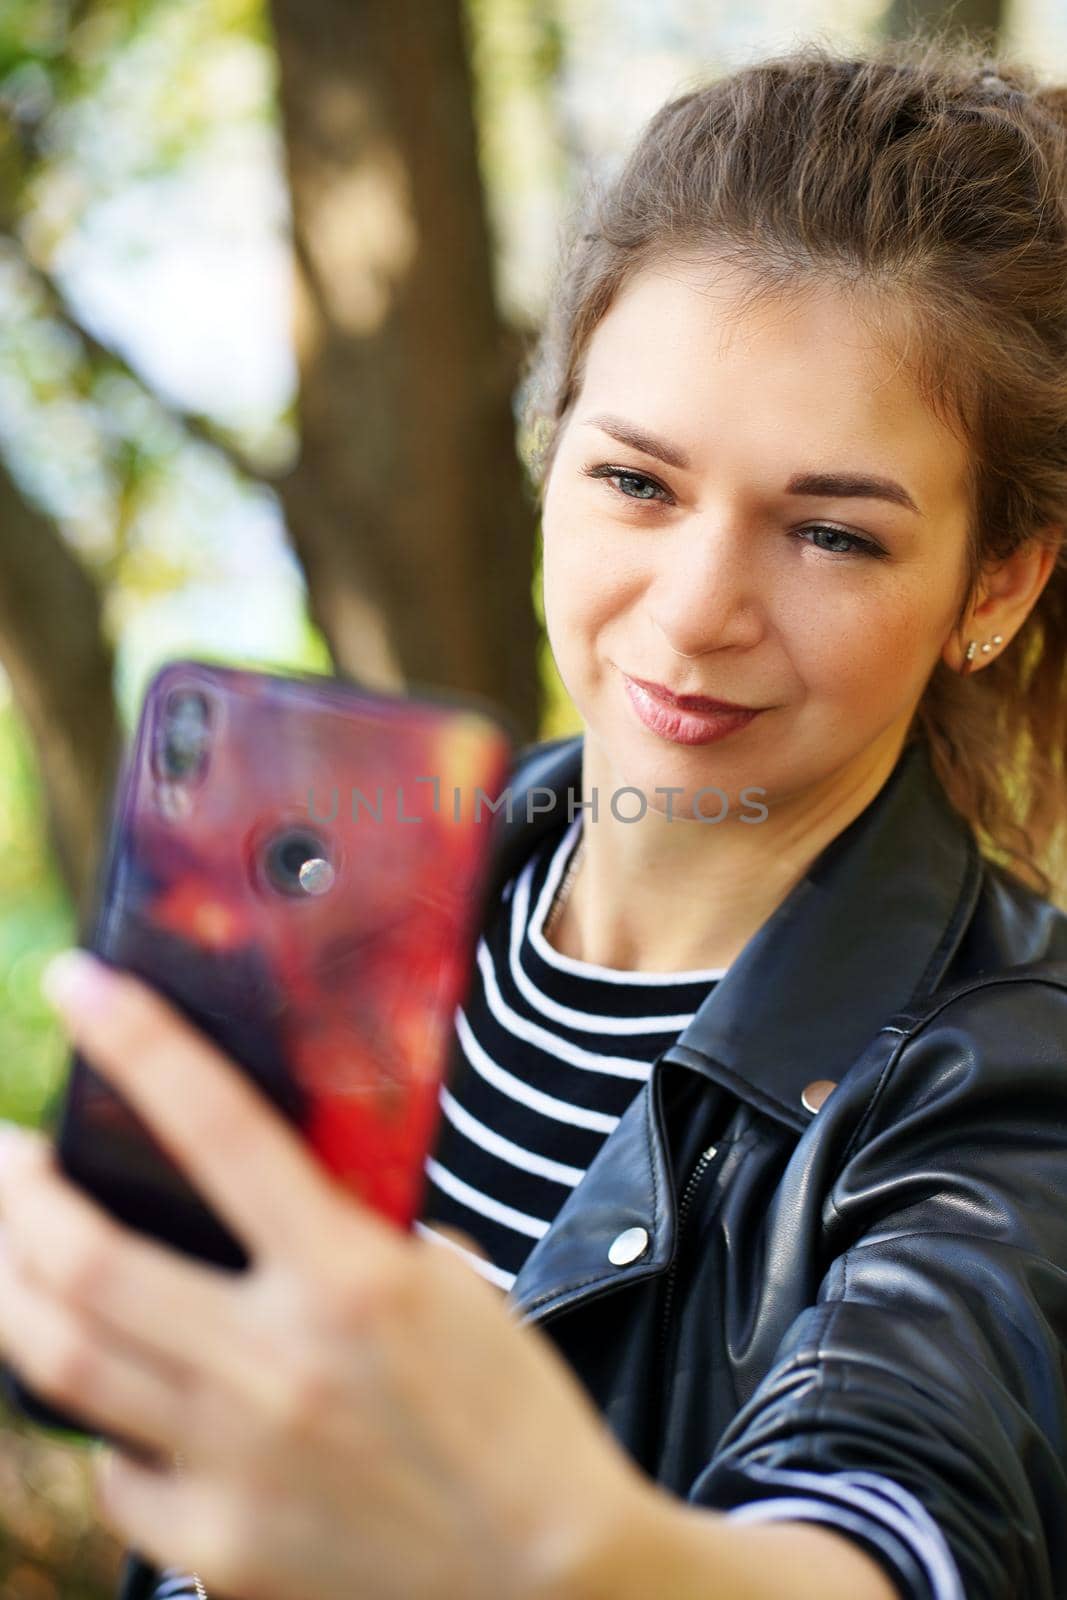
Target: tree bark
408,507
60,665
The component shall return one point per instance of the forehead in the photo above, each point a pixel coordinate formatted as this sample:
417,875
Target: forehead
788,380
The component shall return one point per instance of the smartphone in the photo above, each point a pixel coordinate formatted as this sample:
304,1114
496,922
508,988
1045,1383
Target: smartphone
299,865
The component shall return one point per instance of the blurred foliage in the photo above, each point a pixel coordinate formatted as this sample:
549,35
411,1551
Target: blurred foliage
52,1544
139,139
37,920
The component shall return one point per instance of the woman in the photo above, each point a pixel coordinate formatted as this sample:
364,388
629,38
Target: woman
760,1109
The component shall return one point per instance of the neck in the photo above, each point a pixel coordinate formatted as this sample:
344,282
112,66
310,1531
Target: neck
673,896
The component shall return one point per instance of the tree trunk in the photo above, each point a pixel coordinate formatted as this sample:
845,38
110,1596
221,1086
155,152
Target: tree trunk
976,16
60,666
408,506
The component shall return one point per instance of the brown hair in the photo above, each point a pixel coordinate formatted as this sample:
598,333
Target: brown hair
928,178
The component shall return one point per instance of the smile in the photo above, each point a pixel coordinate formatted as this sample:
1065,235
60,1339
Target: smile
680,723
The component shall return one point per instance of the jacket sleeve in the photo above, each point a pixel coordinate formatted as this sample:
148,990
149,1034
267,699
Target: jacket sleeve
878,1514
933,1358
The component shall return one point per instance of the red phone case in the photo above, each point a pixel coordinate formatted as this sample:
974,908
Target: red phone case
299,865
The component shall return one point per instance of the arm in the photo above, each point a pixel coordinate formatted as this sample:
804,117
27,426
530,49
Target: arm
677,1552
933,1357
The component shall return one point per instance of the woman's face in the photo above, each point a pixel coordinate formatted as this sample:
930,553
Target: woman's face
721,574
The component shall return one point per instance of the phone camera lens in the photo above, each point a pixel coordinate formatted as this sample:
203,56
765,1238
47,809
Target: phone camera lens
184,735
317,876
297,862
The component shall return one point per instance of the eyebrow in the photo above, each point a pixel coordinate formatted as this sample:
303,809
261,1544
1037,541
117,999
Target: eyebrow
824,485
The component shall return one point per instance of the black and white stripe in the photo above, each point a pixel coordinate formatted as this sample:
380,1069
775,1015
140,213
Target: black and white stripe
174,1584
551,1051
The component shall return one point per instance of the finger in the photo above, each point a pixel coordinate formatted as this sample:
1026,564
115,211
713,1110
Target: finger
81,1368
147,1293
238,1152
186,1520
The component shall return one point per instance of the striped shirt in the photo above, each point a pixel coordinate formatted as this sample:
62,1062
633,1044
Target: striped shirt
551,1053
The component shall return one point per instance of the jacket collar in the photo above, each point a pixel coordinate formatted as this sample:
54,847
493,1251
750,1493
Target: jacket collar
868,931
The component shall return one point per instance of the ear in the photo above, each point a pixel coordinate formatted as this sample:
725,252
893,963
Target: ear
1008,592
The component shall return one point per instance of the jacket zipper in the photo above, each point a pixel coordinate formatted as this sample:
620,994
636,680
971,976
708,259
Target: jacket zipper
693,1183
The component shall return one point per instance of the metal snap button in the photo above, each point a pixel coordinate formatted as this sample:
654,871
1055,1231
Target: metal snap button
628,1247
817,1092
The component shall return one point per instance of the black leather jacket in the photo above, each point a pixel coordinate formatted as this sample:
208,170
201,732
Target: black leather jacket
877,1285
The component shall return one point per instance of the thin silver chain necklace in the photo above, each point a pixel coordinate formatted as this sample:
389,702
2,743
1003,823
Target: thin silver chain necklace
179,1469
563,891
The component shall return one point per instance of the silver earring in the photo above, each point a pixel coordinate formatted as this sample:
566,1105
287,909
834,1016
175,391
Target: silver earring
986,648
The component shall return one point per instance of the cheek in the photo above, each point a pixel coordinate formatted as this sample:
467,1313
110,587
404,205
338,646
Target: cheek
585,583
877,644
556,583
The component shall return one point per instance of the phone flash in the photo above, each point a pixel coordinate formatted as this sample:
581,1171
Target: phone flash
174,801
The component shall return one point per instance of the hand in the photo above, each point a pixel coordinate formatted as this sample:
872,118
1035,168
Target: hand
359,1413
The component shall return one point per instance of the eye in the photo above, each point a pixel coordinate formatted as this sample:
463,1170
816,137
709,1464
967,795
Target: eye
650,492
618,476
857,546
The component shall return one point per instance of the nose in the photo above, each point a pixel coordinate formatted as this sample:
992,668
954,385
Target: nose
704,592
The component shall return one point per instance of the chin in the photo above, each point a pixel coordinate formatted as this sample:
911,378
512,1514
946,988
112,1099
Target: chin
644,763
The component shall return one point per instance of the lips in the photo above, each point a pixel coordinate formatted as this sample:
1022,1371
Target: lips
682,724
687,702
